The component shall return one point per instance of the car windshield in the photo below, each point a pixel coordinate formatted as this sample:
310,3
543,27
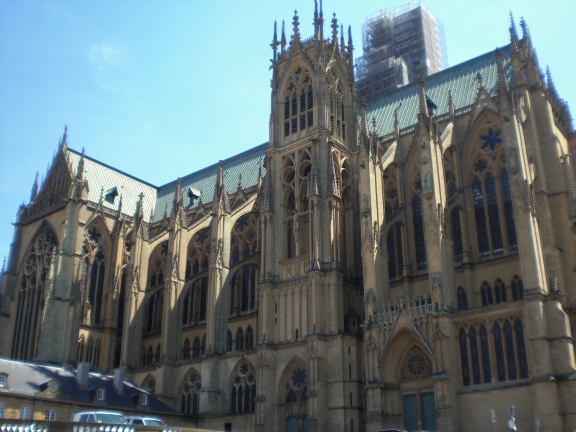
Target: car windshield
153,422
110,418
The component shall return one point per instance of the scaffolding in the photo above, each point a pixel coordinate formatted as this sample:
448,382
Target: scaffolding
398,45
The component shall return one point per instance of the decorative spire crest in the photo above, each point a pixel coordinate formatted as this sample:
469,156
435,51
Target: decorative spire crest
342,37
275,43
296,30
513,32
350,45
335,31
283,40
34,189
422,97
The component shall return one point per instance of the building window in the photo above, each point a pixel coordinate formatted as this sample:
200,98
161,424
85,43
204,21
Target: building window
486,294
457,234
30,303
2,380
517,288
418,220
337,110
189,393
143,400
239,339
2,408
244,242
391,195
24,413
203,345
229,341
243,392
500,291
491,194
50,415
100,395
394,246
196,347
298,103
462,299
464,357
243,289
186,349
250,337
198,253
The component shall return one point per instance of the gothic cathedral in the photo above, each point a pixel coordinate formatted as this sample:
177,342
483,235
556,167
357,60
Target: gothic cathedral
404,263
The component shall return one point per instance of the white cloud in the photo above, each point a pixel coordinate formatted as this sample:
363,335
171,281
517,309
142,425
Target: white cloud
104,55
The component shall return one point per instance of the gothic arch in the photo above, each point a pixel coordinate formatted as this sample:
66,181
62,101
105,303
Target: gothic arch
149,383
396,351
291,68
32,276
485,117
188,394
242,387
292,366
293,395
415,364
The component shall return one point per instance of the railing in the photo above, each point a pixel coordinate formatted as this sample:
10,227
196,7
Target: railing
14,425
294,266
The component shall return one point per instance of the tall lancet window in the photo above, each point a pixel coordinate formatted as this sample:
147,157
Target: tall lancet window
30,304
491,195
93,270
418,221
391,195
298,103
337,110
394,247
155,290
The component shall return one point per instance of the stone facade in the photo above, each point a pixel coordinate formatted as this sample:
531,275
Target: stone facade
404,264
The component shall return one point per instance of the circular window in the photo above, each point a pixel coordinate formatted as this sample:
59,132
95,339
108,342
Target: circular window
53,386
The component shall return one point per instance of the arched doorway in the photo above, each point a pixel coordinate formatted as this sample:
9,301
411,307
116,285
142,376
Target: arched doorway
417,390
294,397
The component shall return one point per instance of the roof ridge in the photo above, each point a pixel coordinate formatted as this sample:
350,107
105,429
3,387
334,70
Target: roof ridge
213,166
112,168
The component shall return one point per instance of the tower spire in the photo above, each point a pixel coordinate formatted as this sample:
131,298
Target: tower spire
334,30
316,23
283,40
342,37
34,189
513,32
422,97
64,141
350,46
274,43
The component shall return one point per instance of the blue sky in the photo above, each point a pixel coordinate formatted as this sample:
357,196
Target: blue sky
160,89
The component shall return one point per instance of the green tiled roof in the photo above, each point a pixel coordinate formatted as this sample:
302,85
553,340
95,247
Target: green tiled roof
245,163
461,80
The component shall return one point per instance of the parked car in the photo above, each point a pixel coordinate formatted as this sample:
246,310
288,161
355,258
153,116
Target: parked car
146,421
108,417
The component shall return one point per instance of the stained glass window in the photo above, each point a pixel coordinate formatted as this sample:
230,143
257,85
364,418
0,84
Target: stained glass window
521,344
243,392
189,393
508,210
394,245
485,354
499,350
474,356
457,234
239,339
419,232
198,252
464,357
462,299
480,216
517,288
510,351
203,298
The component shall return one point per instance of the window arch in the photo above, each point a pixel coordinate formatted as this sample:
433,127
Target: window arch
158,262
517,288
500,291
189,393
418,221
243,289
462,299
229,341
249,338
394,248
337,110
294,395
186,349
194,307
457,234
196,347
243,388
94,271
149,384
30,296
486,294
298,103
391,195
491,193
244,242
153,313
198,253
239,339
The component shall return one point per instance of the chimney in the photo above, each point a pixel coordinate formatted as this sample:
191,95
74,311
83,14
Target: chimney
119,380
82,371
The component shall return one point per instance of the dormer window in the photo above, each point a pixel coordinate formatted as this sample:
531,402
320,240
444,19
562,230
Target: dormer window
53,386
144,400
100,394
194,194
3,381
111,195
432,107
